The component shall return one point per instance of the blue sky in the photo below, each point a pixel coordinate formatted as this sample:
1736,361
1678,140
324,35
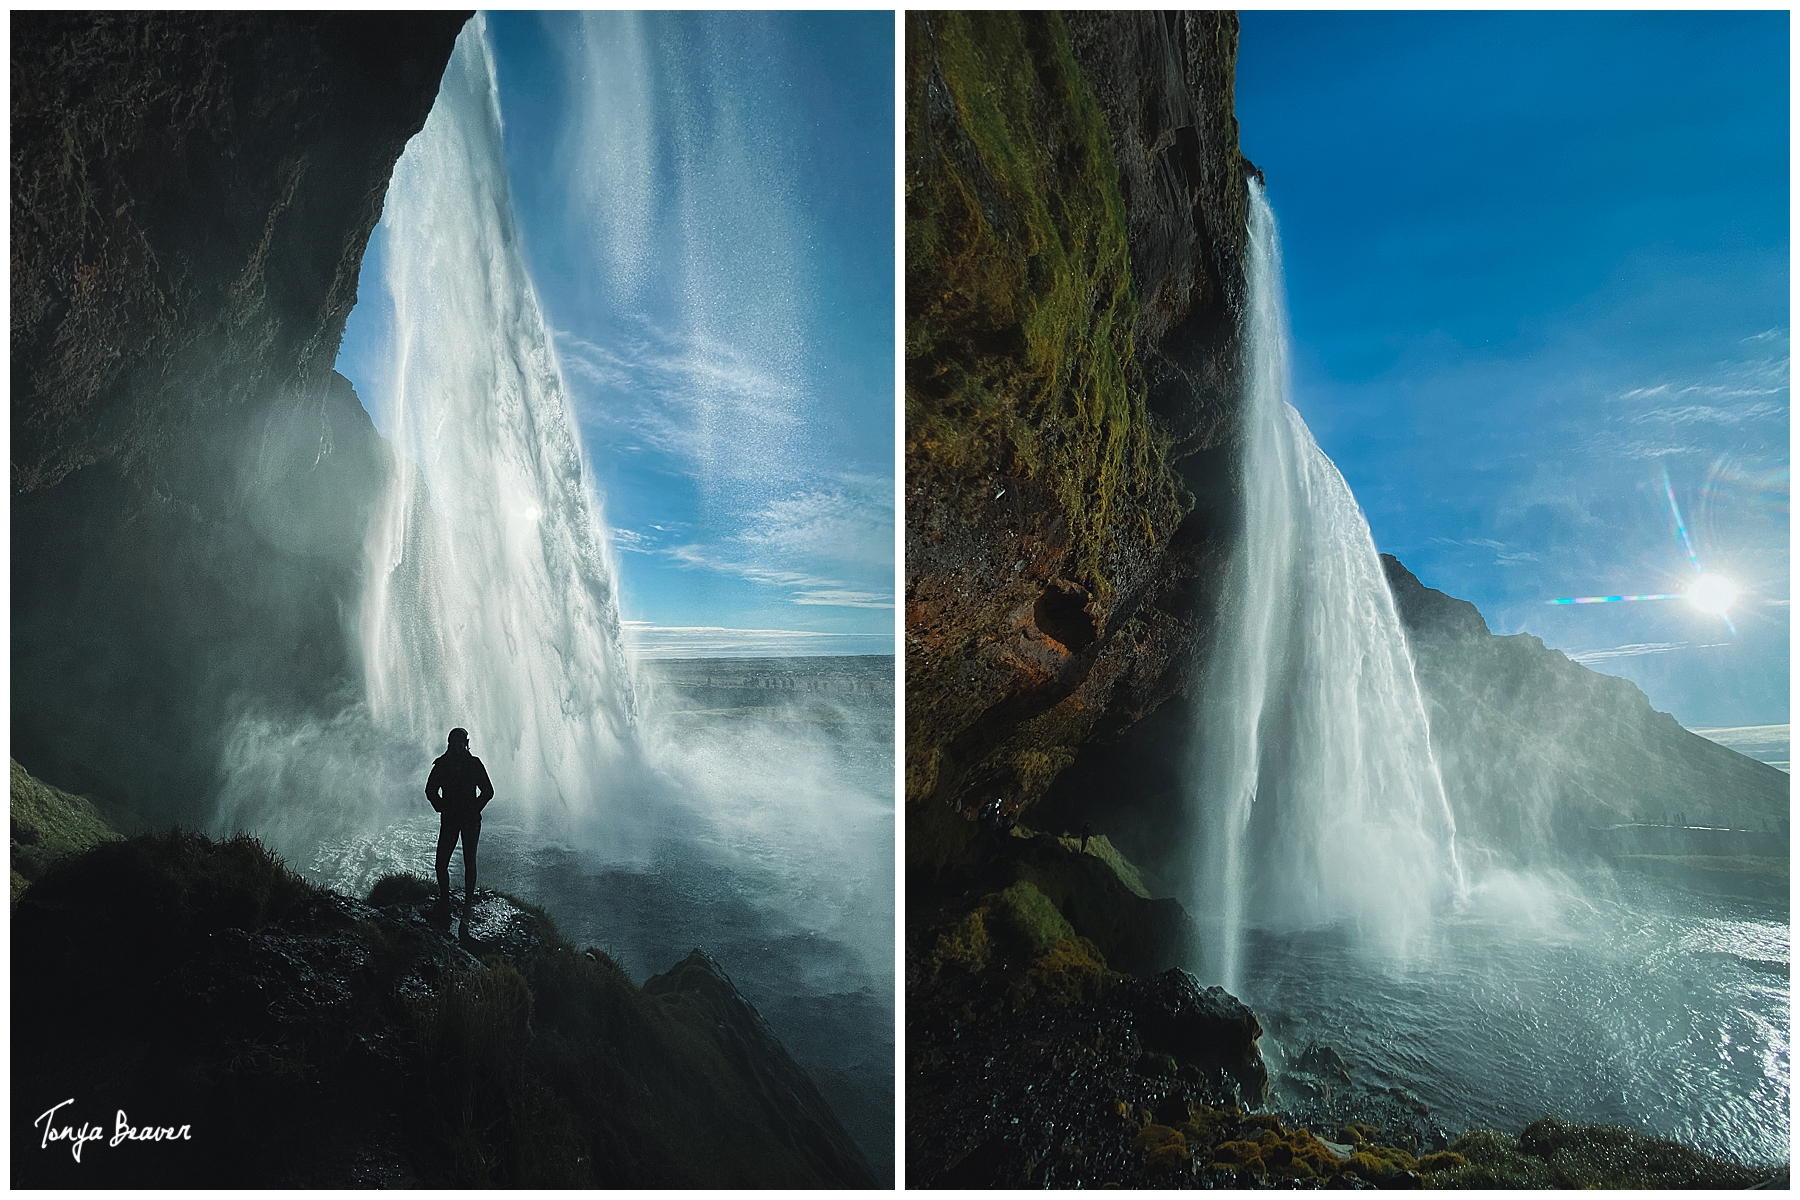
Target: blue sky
706,202
1534,260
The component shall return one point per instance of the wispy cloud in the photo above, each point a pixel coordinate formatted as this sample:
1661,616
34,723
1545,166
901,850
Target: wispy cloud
844,599
648,640
695,397
1588,658
1503,553
804,587
629,540
1732,393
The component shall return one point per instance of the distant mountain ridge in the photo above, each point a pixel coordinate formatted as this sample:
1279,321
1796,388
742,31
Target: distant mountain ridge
1533,745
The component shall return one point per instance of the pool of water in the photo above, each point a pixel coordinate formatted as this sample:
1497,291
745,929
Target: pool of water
1593,999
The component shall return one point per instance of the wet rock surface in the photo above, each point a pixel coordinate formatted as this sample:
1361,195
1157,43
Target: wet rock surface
1052,600
309,1039
1054,1097
1512,718
1031,1060
699,991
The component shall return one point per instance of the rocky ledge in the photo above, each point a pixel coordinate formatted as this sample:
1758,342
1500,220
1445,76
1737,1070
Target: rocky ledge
284,1035
1035,1061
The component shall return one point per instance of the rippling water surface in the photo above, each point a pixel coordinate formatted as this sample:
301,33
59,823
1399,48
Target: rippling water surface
1613,1001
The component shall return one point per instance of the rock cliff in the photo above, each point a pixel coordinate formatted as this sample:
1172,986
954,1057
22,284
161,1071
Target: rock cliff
192,195
1075,207
310,1039
1539,752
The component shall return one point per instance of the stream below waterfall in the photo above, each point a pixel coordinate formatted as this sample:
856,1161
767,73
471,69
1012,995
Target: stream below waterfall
1613,1000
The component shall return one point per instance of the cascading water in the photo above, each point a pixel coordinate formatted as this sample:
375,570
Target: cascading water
1319,800
489,600
1328,852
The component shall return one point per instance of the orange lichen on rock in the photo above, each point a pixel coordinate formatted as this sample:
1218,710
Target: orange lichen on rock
965,944
1165,1149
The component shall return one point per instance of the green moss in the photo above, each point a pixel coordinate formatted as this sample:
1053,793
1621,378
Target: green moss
964,945
1020,310
47,824
1036,767
1164,1149
401,889
1443,1160
1030,917
1101,847
1071,971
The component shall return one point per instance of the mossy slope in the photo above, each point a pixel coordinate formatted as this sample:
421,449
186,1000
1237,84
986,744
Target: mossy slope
315,1040
48,823
1058,569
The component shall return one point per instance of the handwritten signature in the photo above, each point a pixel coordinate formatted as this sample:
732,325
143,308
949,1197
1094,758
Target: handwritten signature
123,1131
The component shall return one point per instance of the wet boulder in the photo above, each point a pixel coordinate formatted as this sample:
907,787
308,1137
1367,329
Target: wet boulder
1207,1027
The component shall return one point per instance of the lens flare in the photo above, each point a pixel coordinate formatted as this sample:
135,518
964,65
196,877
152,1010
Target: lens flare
1712,594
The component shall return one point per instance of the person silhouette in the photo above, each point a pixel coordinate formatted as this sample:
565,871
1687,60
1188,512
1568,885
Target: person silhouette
459,789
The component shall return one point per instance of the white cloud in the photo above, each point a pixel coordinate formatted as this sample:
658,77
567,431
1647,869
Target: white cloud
694,397
709,641
843,599
1502,554
629,540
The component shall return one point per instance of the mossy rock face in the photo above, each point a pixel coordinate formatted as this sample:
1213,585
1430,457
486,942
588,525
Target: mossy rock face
1019,333
48,823
1036,473
1058,582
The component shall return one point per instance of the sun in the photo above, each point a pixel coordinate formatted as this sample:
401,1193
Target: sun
1713,594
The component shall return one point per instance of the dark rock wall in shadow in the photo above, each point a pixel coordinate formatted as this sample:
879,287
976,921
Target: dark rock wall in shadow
192,196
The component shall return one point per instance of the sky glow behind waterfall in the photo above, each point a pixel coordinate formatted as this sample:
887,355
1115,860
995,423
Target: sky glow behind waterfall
1535,261
706,207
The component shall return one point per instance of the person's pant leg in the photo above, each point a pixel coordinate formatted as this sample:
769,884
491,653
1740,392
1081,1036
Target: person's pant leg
447,831
471,838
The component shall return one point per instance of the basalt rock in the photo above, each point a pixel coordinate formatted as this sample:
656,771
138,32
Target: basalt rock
192,195
309,1039
1064,1095
1075,260
698,991
1207,1027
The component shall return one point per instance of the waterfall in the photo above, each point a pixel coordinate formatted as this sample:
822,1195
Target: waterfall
1318,797
489,600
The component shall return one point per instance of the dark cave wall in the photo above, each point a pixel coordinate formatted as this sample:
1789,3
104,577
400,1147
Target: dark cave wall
192,196
1076,232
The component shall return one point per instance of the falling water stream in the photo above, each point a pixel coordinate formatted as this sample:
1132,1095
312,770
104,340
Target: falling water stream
489,599
1335,896
762,833
1322,801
